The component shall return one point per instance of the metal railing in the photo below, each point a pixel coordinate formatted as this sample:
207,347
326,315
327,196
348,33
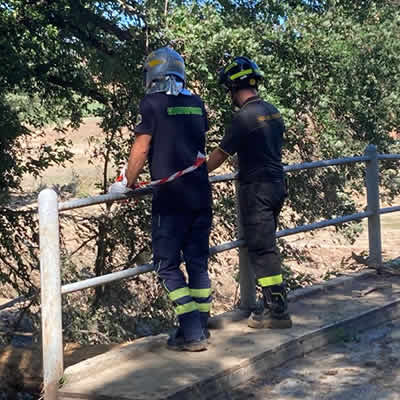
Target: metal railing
52,290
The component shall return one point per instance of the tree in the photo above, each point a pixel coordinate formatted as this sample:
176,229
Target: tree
57,58
332,68
315,66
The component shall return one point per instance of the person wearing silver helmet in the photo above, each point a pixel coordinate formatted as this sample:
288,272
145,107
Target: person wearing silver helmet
165,72
256,136
170,132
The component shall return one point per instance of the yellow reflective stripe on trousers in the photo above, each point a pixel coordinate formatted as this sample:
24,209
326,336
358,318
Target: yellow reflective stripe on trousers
178,293
270,280
200,293
204,307
185,308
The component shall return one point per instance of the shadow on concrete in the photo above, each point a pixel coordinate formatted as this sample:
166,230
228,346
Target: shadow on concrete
237,354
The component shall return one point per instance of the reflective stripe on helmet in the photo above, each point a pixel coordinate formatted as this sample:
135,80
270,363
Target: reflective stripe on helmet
155,62
230,67
241,73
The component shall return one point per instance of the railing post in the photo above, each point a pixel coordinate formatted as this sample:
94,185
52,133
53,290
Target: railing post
374,223
50,291
246,273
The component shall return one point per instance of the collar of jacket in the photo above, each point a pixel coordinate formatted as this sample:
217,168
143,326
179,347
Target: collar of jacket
250,100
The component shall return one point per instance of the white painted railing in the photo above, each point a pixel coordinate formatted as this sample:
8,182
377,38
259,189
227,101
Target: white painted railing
52,290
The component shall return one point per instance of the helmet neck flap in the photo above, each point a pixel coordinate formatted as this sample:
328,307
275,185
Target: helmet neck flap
169,85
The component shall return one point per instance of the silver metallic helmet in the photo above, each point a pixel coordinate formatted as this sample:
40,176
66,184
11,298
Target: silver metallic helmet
161,63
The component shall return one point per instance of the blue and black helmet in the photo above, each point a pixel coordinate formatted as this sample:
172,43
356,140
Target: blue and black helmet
240,73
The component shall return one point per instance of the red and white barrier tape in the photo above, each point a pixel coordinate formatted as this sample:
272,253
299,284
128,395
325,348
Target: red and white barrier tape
120,185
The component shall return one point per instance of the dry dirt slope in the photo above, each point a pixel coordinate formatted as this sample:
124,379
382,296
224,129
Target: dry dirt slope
328,253
329,256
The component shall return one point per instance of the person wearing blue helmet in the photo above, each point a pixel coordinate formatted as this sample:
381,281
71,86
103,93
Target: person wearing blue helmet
256,136
170,132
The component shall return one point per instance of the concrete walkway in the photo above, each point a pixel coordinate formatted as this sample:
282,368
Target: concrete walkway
365,367
145,369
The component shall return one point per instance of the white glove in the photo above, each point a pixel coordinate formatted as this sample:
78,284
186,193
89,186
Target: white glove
120,186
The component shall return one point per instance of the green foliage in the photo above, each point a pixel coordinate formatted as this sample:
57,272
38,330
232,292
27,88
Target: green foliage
315,71
129,309
10,128
332,68
18,250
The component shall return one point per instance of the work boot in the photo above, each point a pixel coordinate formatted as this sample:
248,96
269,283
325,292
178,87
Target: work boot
275,314
177,342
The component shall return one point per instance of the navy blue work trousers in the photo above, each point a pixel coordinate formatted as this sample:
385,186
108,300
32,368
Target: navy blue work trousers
186,236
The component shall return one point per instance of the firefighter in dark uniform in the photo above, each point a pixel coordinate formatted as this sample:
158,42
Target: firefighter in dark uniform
256,135
170,132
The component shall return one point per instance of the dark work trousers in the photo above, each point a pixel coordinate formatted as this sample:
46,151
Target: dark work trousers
260,205
185,235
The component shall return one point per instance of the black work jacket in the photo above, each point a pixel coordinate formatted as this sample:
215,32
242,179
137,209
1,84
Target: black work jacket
256,135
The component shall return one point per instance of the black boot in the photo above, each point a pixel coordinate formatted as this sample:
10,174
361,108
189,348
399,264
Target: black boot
275,314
